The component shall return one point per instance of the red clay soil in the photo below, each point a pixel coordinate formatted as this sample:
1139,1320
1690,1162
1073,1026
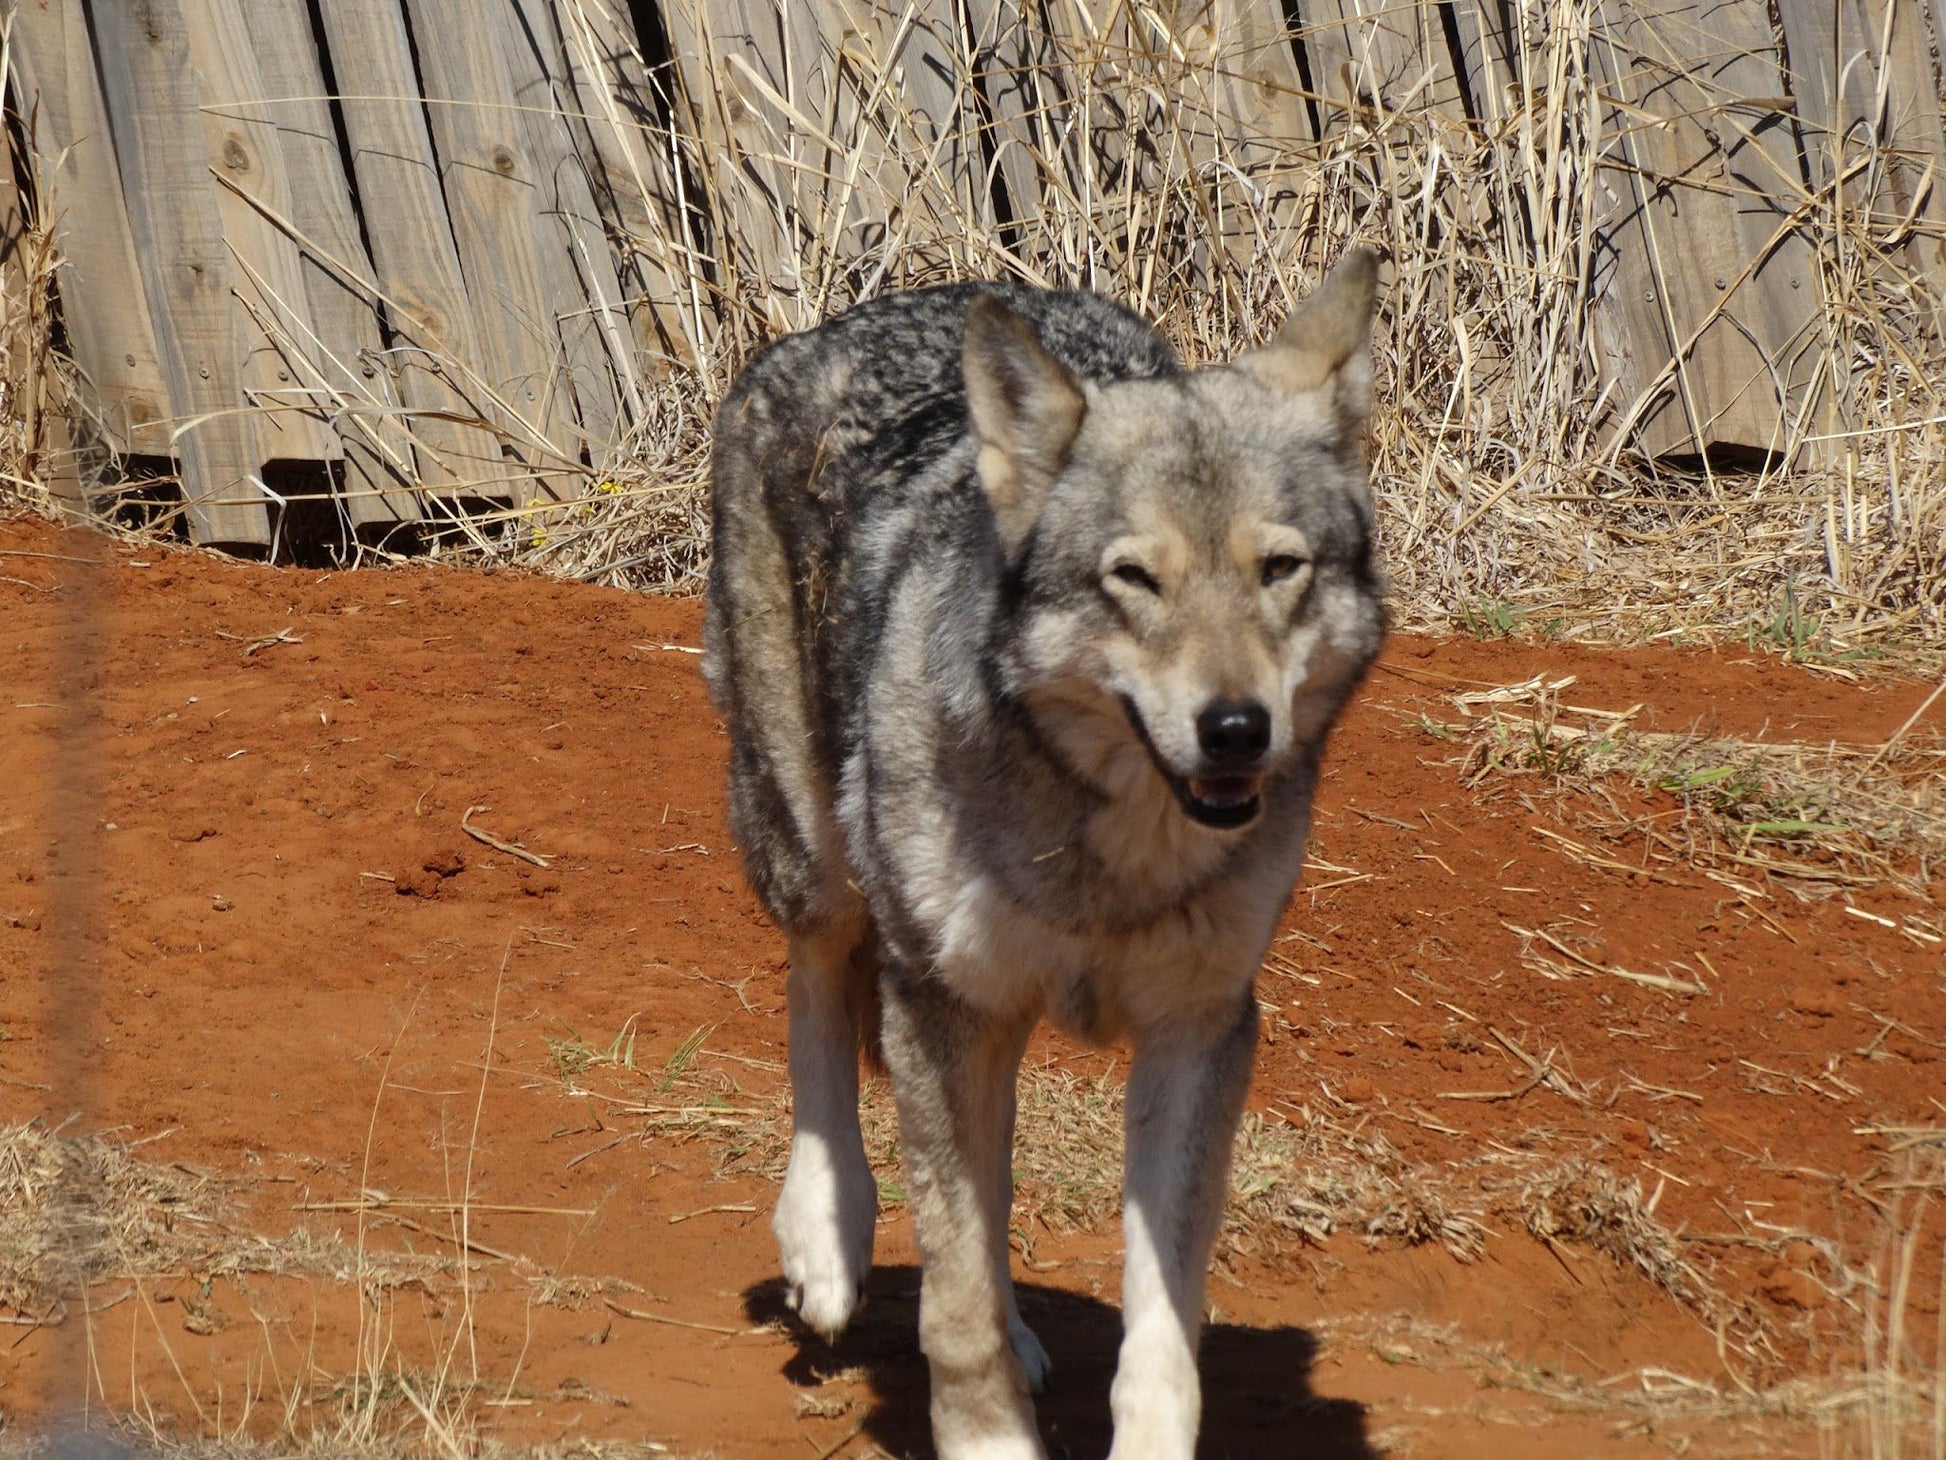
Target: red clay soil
218,760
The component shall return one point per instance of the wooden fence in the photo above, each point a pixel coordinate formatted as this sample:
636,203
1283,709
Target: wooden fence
419,254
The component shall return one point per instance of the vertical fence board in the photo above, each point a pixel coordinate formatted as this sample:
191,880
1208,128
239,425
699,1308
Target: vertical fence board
1843,54
412,246
729,53
349,379
1692,261
164,165
1914,127
491,198
1256,80
1938,13
634,154
1489,55
1011,80
80,193
1099,119
903,95
275,324
587,293
1239,113
1382,54
531,244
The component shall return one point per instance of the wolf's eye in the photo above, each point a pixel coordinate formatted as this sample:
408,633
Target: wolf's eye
1279,566
1136,576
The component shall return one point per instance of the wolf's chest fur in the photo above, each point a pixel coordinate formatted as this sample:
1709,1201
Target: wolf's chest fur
1094,901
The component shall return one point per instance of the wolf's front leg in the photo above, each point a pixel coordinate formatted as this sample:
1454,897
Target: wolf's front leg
829,1204
1185,1094
953,1072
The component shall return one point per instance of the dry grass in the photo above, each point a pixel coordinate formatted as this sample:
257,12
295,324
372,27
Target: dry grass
78,1210
1298,1176
132,1442
1295,1178
1301,1175
1580,1201
33,433
1818,818
1895,1406
1501,479
1506,484
1888,1402
85,1215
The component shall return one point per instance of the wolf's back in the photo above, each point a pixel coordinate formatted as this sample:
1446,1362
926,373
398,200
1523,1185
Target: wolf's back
871,398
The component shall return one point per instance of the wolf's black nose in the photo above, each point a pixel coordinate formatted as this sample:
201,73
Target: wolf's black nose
1233,732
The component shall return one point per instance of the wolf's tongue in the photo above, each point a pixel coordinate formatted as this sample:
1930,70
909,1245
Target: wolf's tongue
1223,790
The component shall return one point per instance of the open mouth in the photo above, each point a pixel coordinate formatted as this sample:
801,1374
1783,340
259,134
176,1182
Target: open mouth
1225,802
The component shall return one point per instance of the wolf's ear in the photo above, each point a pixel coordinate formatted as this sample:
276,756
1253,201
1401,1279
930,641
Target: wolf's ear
1025,410
1326,344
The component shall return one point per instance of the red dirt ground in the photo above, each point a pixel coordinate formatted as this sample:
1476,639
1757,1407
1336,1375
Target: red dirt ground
256,987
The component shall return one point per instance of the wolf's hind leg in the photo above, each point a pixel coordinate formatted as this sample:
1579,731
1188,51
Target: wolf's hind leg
829,1205
1185,1094
953,1071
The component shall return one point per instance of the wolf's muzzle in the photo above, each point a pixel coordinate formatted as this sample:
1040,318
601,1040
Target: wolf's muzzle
1231,795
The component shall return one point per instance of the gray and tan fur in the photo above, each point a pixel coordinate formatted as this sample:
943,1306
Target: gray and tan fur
1028,642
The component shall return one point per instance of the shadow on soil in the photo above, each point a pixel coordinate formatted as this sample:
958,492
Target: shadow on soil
1258,1402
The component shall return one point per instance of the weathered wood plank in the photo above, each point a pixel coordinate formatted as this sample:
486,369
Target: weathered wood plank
276,325
848,113
1383,54
1695,261
1014,82
151,98
732,58
587,293
1938,13
1258,86
106,311
1100,118
1845,54
1238,109
902,99
627,119
418,268
488,175
1489,56
350,379
1194,120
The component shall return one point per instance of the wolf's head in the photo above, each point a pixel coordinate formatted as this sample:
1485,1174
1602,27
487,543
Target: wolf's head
1193,553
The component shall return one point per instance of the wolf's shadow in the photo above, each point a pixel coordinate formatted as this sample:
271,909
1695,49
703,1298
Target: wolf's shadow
1258,1402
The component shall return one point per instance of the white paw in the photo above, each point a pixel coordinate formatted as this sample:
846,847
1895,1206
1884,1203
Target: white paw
1007,1448
824,1224
1033,1357
1156,1397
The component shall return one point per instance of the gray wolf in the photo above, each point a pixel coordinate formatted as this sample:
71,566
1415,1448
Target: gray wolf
1028,642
